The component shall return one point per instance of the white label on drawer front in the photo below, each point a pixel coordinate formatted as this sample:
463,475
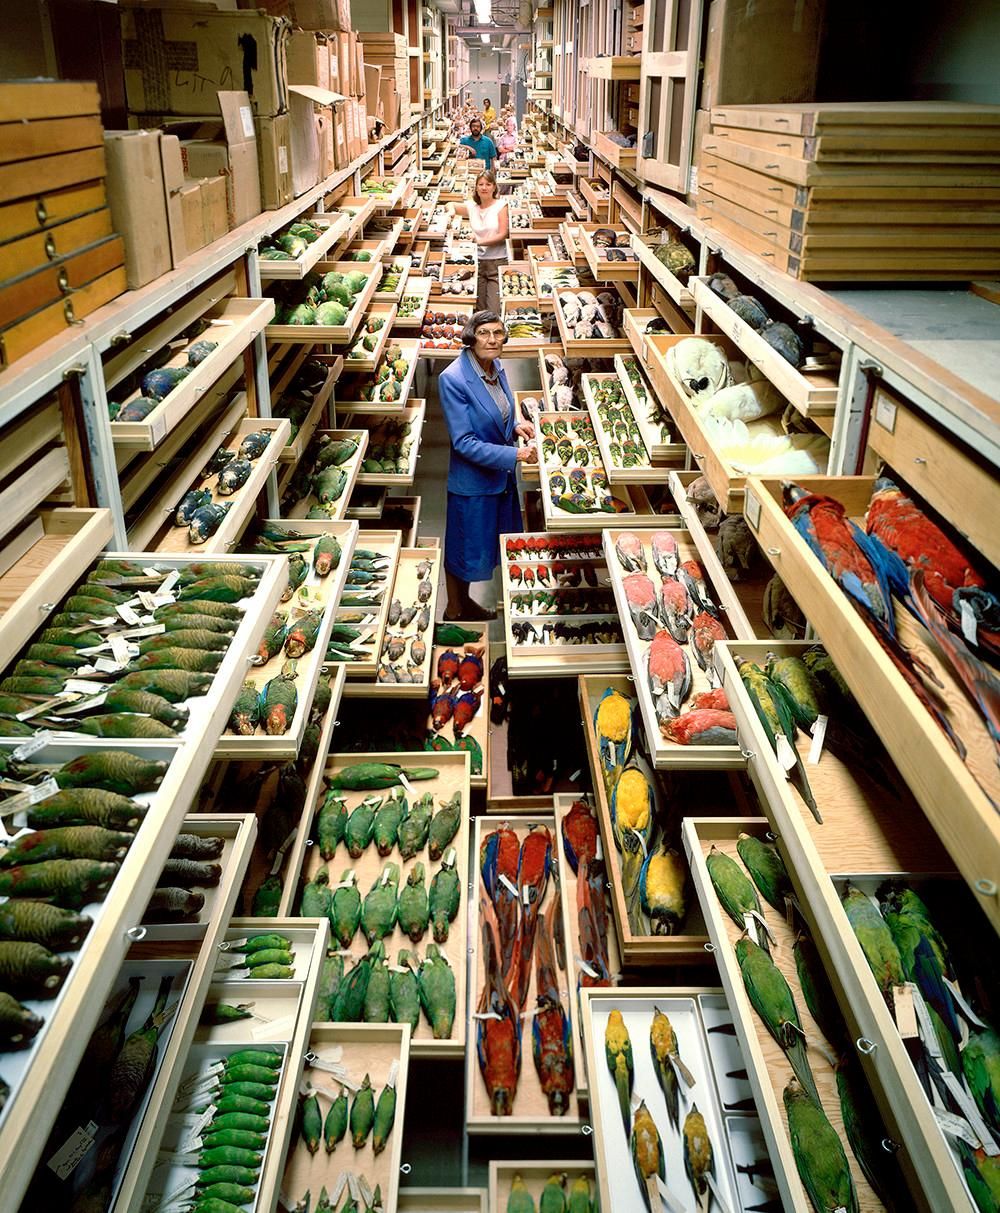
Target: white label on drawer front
885,413
282,159
751,508
246,117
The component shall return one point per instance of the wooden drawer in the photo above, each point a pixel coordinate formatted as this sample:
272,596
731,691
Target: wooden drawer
334,334
54,282
336,229
25,335
666,753
955,803
620,157
678,291
534,1174
305,861
947,476
56,559
812,394
300,508
414,415
530,1112
21,178
232,324
602,268
326,591
49,209
55,243
613,67
866,830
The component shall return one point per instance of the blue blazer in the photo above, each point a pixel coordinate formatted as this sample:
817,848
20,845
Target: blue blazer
482,450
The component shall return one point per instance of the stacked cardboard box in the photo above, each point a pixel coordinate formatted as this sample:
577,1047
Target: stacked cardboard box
846,192
59,256
213,49
389,53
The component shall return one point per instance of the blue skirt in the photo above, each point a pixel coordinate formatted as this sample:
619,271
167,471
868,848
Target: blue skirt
475,524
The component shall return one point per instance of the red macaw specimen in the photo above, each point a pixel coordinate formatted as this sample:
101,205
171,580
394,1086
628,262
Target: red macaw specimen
533,869
498,1032
551,1039
498,858
676,609
903,527
691,575
669,673
706,631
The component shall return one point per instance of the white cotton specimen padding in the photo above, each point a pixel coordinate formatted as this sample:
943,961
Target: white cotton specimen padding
762,452
695,362
748,401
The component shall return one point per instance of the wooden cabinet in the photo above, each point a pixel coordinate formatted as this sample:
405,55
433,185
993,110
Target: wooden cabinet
671,37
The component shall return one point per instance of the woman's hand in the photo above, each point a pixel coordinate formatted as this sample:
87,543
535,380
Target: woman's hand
524,429
527,454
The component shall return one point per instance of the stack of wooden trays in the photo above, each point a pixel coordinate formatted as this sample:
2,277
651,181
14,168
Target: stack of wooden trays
857,191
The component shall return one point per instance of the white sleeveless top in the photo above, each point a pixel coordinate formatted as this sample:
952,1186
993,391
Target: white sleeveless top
485,222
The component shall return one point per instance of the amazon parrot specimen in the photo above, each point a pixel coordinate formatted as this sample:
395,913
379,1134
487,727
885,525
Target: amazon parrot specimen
773,706
819,1154
618,1055
647,1152
772,999
735,892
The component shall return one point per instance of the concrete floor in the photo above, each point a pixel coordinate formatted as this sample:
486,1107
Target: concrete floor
436,1148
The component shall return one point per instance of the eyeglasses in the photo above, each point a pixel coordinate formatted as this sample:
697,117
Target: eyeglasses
491,334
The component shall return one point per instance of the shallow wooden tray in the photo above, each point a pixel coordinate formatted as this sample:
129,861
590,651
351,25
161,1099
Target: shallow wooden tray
955,803
305,861
531,1111
352,466
336,224
365,1049
534,1174
386,543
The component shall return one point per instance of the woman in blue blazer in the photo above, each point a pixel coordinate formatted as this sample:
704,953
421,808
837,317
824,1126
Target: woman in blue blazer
478,408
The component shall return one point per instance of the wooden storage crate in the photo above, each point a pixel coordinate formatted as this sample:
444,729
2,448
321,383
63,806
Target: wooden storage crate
530,1107
613,67
956,804
325,592
45,282
26,334
305,861
598,198
233,324
377,248
766,1062
812,392
373,1049
336,228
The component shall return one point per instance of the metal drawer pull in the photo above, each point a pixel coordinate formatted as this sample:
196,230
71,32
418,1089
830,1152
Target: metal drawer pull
866,1046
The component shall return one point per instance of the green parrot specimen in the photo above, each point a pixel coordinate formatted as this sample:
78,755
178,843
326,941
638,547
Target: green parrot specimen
804,690
553,1198
735,892
819,1154
580,1200
876,941
772,999
982,1174
764,863
865,1132
774,708
520,1199
981,1067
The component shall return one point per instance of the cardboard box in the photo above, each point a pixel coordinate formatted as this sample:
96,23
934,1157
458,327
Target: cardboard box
172,163
310,14
194,227
344,61
334,65
228,149
138,202
373,81
308,57
214,208
341,155
176,59
390,44
274,161
306,151
359,70
324,125
389,100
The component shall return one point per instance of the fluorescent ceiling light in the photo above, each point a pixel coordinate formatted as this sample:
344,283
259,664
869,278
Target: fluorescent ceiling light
484,11
485,37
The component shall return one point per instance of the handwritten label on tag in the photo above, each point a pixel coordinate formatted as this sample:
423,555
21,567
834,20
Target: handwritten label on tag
80,686
106,666
906,1015
120,648
169,582
278,1029
73,1151
954,1126
127,613
27,748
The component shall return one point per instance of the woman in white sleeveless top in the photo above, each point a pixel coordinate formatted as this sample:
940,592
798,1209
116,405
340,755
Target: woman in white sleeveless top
487,215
